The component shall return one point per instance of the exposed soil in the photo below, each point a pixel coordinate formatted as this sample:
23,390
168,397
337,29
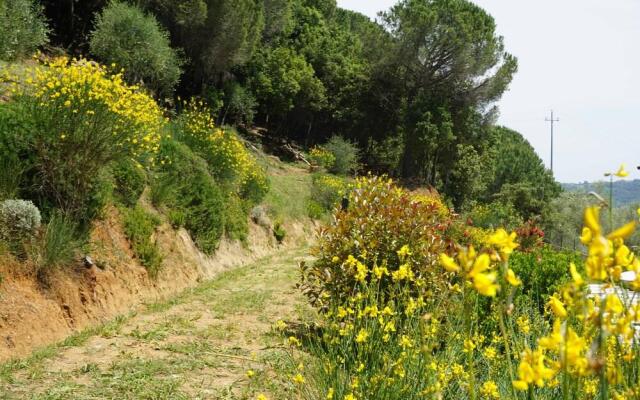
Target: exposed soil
217,341
32,315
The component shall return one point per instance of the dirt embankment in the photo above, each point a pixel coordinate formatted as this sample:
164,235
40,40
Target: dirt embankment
32,315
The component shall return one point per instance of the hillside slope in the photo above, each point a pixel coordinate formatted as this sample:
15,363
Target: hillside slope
33,314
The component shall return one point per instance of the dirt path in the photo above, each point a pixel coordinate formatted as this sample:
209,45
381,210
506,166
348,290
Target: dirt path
214,342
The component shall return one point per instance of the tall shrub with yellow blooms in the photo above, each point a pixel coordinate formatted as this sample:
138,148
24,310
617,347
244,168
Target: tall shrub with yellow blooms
229,160
71,118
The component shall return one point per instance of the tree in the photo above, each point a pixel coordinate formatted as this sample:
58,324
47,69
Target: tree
444,69
520,175
283,81
126,36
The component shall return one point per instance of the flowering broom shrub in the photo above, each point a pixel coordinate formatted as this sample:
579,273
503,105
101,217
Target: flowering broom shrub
68,120
230,162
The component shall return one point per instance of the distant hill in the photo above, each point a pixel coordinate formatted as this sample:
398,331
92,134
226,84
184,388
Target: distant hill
624,192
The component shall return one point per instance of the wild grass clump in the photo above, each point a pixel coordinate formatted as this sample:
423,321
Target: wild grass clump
56,245
140,226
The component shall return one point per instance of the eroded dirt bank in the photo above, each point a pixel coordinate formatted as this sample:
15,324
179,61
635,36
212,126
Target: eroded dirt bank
34,315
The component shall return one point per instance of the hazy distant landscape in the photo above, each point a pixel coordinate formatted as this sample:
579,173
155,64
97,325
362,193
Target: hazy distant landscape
624,192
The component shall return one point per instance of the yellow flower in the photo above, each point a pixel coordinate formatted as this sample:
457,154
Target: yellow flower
293,341
330,394
512,278
592,220
577,278
533,370
489,390
298,379
250,373
622,172
623,232
362,336
503,241
557,307
262,397
613,304
350,397
404,251
484,283
448,263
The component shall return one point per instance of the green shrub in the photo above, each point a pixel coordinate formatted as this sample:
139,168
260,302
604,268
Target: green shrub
543,271
139,226
22,28
321,157
327,191
229,161
236,219
56,245
381,219
130,180
279,232
124,35
192,196
494,215
345,154
67,125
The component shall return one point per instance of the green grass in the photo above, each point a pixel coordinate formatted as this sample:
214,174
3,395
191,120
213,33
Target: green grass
289,195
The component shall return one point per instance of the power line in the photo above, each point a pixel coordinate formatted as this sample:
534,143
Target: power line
552,120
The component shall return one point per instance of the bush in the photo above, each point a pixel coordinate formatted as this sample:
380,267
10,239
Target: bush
124,35
22,28
55,246
543,271
326,193
345,154
494,215
380,221
229,161
70,121
130,179
321,157
19,219
195,201
139,226
236,219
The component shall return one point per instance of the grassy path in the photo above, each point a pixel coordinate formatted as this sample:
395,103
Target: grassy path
199,345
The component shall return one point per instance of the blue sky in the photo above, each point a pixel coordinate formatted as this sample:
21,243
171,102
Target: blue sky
580,58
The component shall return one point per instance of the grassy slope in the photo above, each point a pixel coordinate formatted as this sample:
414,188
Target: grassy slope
198,345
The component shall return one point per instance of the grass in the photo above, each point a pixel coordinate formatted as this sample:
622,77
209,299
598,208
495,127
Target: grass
289,195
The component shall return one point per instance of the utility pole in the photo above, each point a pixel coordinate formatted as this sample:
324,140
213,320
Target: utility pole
552,120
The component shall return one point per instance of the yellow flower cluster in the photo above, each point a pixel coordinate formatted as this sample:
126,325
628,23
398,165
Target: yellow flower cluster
224,151
82,92
593,329
479,270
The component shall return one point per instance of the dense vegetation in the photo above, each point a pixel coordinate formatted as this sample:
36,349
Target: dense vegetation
420,290
413,91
